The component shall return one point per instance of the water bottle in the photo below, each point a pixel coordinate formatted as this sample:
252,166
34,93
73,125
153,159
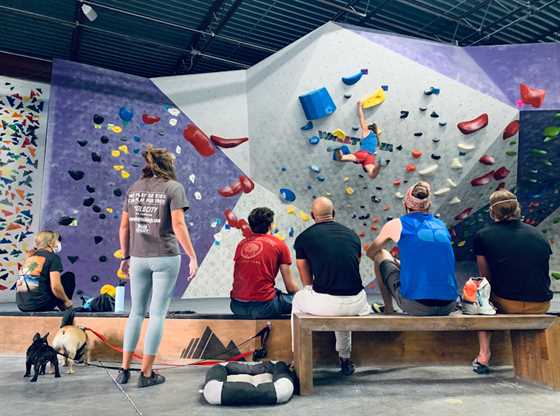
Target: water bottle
119,300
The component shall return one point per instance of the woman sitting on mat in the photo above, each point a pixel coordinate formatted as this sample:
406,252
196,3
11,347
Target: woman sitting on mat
423,281
368,147
41,287
514,257
152,222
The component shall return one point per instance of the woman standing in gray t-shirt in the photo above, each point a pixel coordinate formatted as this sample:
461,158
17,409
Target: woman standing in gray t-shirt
152,222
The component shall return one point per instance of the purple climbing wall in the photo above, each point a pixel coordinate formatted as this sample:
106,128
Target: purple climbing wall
94,156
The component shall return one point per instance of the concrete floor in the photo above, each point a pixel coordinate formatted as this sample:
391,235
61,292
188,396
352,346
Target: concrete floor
419,391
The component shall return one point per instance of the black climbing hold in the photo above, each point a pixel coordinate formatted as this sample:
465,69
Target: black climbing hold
362,206
102,216
136,165
97,239
387,161
365,187
76,174
434,115
161,133
422,108
364,224
379,188
94,278
79,292
88,202
462,153
82,142
418,134
96,157
404,114
354,216
389,218
405,181
90,189
96,208
399,147
97,119
347,96
435,140
117,192
360,175
309,187
104,139
103,259
72,259
66,220
355,128
436,157
124,139
443,123
375,199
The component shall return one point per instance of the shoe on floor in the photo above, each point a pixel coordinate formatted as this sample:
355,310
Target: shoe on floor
480,368
154,379
123,376
346,366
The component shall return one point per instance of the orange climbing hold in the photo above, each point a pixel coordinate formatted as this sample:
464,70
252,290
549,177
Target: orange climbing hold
532,96
411,167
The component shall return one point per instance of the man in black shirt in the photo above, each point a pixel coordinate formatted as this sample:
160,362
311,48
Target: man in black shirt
328,260
514,257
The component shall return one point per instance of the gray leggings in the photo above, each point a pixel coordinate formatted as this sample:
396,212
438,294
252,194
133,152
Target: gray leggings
150,274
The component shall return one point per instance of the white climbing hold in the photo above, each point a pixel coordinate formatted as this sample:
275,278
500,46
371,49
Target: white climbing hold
178,150
399,195
466,147
454,201
451,183
218,238
214,224
197,196
428,171
173,122
174,112
315,168
456,163
192,177
441,191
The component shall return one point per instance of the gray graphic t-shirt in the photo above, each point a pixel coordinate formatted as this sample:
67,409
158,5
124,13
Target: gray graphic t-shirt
149,203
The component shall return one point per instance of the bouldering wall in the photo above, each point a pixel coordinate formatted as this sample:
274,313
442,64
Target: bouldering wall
23,121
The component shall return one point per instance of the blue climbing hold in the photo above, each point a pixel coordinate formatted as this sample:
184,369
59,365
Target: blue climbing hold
287,195
320,178
284,168
308,126
317,104
385,87
314,140
315,168
125,114
291,232
352,79
344,149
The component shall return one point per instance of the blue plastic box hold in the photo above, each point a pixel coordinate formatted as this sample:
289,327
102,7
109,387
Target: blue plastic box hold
317,104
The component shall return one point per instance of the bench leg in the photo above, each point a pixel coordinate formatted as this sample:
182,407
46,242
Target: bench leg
536,356
303,357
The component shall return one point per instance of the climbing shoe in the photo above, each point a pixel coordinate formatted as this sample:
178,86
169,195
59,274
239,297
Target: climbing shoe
346,366
124,375
154,379
377,308
338,155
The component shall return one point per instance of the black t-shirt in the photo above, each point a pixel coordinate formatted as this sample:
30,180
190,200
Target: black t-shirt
333,252
33,289
517,255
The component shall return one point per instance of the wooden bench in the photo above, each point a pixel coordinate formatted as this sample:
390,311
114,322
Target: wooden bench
535,339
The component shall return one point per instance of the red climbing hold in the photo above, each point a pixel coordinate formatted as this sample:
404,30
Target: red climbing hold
502,185
397,182
501,173
394,251
533,96
416,153
227,143
199,140
411,167
246,183
487,160
148,119
231,190
245,229
463,215
483,180
511,129
231,218
474,125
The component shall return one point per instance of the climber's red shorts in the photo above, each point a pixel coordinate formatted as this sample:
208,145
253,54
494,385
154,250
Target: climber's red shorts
364,158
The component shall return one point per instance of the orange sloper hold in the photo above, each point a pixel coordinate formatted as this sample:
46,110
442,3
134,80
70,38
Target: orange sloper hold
532,96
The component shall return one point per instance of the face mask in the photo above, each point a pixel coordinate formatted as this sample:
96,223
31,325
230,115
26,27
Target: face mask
58,247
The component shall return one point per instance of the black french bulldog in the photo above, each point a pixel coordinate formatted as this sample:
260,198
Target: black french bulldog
39,354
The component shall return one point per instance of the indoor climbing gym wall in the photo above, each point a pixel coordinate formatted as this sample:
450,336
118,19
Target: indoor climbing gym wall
23,120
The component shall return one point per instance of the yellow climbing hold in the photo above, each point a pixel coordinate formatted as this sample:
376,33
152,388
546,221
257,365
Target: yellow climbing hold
346,179
304,216
374,99
328,194
109,210
339,134
118,168
291,209
108,290
118,254
349,190
279,237
115,153
125,174
461,243
124,148
116,129
121,275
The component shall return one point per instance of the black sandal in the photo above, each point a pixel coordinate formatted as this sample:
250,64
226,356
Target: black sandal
480,368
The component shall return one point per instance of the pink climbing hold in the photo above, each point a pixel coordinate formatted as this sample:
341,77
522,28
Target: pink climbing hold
532,96
483,180
501,173
487,160
463,214
511,129
519,103
474,125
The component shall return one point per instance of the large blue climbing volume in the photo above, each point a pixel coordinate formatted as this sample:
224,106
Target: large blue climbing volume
317,104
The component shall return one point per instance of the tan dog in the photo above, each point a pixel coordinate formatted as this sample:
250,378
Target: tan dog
72,341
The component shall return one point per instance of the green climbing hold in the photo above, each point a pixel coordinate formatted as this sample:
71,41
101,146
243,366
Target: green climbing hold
533,180
549,139
511,153
555,275
556,220
539,152
513,142
552,131
547,163
557,115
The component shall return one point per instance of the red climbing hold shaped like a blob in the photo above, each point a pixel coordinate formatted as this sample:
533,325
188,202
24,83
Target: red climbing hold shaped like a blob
474,125
397,182
246,183
227,143
149,119
501,173
245,229
483,180
533,96
511,129
463,215
199,140
231,190
487,160
231,218
411,167
416,153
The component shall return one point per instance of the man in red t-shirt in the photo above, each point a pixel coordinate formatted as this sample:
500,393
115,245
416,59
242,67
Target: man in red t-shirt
257,261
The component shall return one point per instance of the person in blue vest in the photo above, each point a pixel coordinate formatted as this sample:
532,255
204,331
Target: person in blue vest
423,281
368,147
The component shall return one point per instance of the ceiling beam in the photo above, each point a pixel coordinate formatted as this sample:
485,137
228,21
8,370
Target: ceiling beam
76,32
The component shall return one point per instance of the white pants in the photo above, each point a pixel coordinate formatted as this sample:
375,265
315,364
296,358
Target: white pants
307,301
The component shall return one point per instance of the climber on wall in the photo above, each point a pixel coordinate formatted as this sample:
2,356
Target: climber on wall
368,147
